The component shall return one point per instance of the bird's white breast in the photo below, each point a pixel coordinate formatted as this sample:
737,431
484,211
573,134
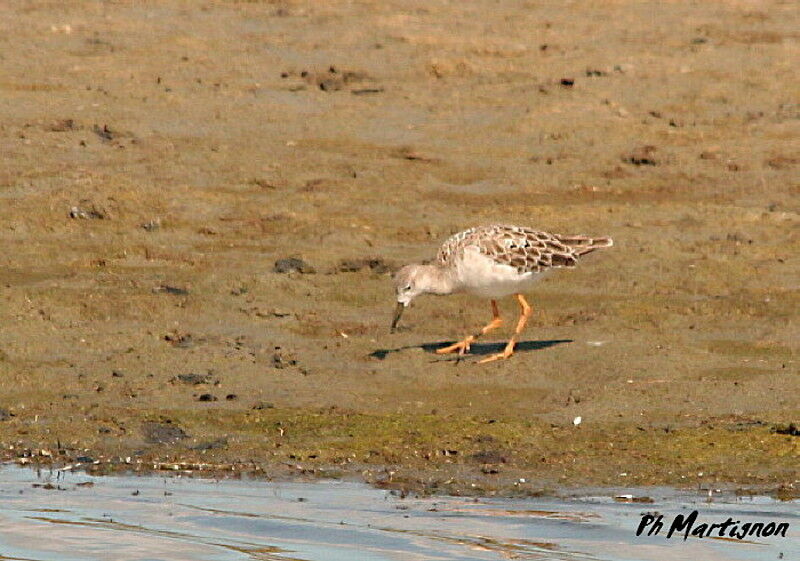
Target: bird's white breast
481,275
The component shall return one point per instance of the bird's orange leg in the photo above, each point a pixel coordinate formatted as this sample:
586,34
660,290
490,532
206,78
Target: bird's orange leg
525,313
462,347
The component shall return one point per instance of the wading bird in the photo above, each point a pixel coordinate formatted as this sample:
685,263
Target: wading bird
491,262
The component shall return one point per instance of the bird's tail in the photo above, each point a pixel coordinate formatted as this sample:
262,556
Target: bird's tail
582,245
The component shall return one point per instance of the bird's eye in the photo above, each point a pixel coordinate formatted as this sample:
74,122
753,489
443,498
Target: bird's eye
407,287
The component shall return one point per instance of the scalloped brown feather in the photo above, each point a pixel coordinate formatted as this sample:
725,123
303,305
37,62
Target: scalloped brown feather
525,249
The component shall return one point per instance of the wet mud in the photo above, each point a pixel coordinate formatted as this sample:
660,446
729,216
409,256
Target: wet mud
202,206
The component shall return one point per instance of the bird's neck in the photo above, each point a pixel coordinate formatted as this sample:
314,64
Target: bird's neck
440,280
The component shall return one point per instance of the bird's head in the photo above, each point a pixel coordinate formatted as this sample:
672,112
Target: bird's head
410,282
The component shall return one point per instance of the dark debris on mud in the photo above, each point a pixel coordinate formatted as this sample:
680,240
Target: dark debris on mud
292,265
374,264
194,379
162,433
642,156
791,429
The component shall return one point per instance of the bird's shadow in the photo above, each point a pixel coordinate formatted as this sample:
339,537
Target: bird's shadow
477,349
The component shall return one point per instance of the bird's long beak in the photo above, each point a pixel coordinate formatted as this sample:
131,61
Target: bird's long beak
398,311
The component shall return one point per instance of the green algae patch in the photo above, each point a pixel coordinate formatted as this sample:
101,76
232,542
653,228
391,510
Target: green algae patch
430,453
720,450
750,349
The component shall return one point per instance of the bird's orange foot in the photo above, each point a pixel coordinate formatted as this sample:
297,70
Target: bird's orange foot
462,347
497,356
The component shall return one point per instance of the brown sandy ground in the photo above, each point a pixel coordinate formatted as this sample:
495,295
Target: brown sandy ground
159,157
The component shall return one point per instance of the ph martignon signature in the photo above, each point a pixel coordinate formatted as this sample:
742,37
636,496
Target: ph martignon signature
689,526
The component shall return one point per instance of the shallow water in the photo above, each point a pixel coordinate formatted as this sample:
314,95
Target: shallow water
178,518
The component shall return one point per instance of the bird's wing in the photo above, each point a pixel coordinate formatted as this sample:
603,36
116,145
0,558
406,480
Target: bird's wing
525,249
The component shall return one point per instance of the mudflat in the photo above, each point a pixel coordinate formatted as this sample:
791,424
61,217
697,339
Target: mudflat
202,205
